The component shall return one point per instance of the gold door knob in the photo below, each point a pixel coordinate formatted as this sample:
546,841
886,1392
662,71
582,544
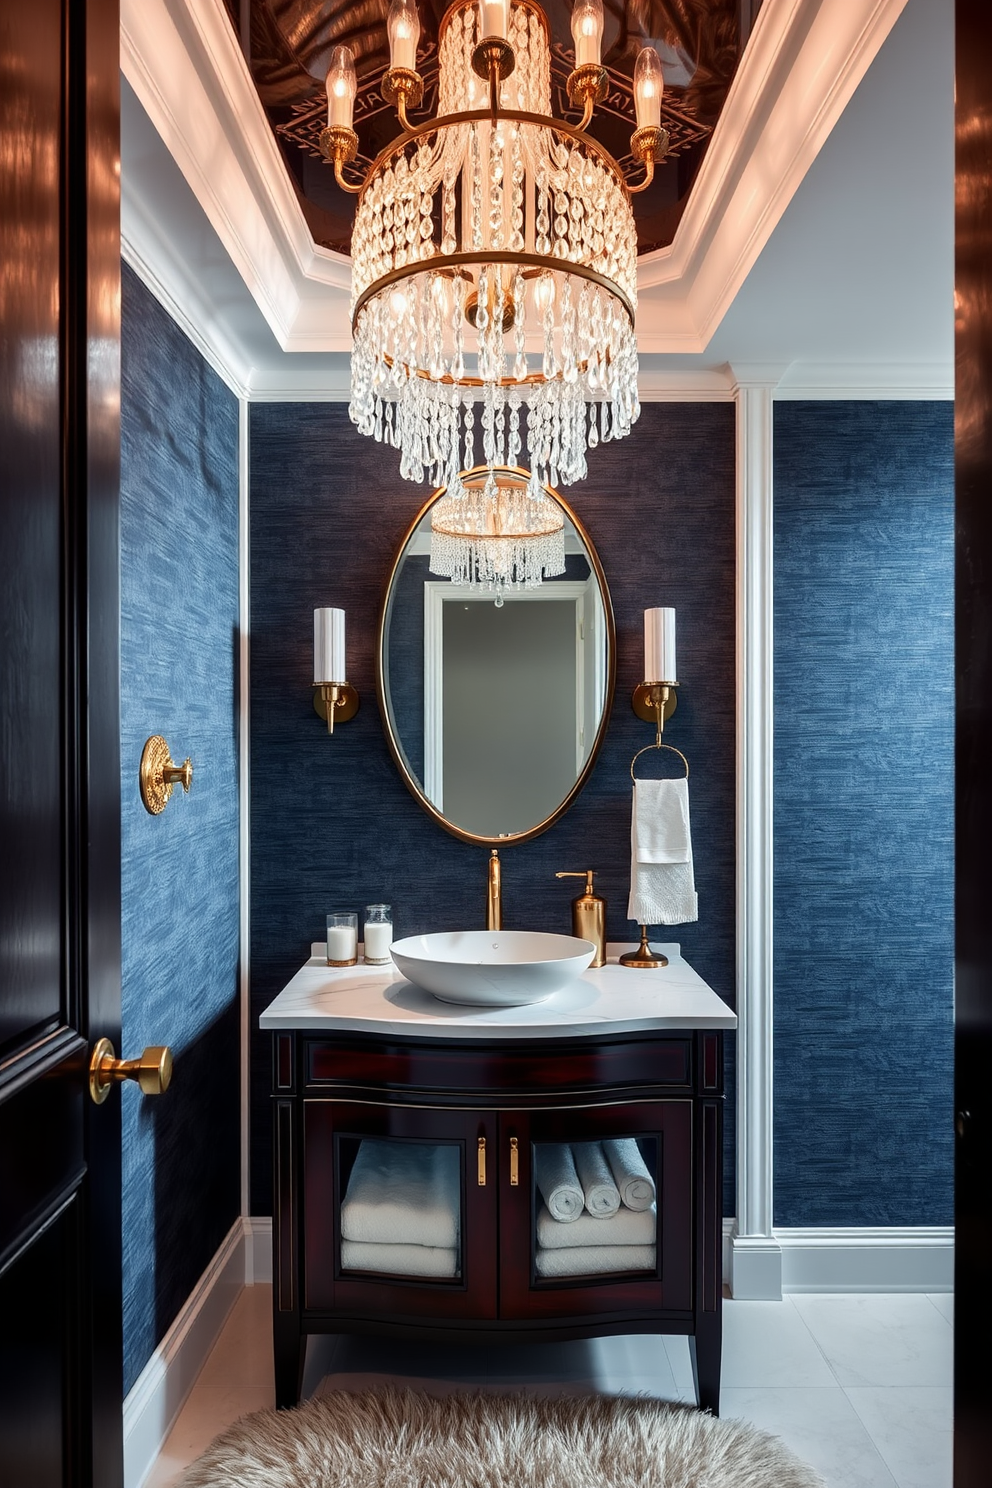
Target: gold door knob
152,1070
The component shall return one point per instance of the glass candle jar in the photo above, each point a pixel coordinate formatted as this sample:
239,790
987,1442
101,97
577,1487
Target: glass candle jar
342,939
378,934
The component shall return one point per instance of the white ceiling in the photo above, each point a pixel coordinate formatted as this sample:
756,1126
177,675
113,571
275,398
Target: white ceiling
850,294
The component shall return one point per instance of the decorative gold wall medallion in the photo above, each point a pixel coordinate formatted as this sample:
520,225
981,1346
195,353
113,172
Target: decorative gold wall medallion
158,773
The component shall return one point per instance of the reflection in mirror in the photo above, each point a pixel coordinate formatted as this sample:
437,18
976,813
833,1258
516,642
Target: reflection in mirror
495,699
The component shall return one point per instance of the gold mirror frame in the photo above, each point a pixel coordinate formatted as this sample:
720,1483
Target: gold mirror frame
611,674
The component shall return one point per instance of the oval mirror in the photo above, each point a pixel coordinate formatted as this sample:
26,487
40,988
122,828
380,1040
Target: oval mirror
495,685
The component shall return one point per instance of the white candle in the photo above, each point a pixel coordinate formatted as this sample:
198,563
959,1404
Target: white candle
587,31
403,30
493,18
342,85
659,646
328,646
378,938
649,88
342,944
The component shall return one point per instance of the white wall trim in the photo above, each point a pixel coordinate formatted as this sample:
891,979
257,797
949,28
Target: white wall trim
244,801
756,1256
258,1264
160,1391
866,1259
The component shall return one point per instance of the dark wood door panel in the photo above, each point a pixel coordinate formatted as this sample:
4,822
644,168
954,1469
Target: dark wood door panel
41,1147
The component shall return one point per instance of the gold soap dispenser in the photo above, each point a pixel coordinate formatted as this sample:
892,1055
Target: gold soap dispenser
589,916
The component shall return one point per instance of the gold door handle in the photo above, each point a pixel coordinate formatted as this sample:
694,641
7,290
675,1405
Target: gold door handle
152,1070
482,1162
514,1162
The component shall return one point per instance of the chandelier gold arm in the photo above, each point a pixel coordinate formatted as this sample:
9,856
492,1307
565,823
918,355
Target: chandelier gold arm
442,261
649,145
588,85
339,145
405,88
477,116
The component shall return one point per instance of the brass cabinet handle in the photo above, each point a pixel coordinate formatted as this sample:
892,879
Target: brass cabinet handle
514,1162
482,1162
152,1070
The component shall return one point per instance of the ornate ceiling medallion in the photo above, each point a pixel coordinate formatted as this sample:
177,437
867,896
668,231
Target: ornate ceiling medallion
494,250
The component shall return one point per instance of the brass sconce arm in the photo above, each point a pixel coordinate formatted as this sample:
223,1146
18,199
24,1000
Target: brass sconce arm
650,146
587,85
404,88
339,144
655,702
337,702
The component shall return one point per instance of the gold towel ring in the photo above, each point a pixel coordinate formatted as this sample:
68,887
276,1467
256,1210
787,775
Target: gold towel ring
658,746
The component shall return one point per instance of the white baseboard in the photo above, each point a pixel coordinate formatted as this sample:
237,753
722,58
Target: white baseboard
258,1259
160,1391
842,1259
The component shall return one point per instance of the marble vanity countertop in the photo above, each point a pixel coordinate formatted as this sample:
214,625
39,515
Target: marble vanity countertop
378,999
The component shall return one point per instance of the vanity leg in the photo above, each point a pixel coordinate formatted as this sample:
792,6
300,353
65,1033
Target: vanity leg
705,1349
289,1353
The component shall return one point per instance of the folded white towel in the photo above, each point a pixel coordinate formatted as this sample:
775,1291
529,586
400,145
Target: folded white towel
661,821
408,1189
602,1197
661,892
623,1228
557,1181
630,1172
399,1260
594,1260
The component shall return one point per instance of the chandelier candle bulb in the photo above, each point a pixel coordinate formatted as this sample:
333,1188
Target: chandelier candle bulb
649,87
328,646
342,85
587,31
659,646
493,18
403,28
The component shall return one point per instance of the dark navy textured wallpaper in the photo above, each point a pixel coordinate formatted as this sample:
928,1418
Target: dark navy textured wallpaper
864,717
332,824
179,631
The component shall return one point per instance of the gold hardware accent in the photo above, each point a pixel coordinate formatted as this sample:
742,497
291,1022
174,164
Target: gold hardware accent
650,146
405,88
644,958
152,1070
335,702
493,58
158,773
587,85
482,1162
589,916
339,144
658,746
399,759
655,702
514,1163
494,898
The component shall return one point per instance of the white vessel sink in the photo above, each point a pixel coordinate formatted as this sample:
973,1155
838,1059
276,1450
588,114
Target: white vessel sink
492,968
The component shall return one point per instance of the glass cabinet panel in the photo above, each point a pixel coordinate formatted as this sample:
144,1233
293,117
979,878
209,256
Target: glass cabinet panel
595,1210
401,1210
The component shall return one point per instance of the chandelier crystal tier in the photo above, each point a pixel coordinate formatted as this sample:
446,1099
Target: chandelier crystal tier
491,530
494,252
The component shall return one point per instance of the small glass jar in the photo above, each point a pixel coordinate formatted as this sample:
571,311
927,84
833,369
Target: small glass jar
378,934
342,939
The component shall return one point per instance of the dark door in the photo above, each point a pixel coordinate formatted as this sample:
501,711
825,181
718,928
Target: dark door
60,1185
973,666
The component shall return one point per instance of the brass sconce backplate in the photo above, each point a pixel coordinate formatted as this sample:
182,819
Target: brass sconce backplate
158,774
335,702
646,698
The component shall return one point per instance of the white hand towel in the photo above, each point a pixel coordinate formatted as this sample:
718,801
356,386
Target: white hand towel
557,1181
630,1172
403,1188
594,1260
601,1194
661,893
623,1228
398,1259
661,821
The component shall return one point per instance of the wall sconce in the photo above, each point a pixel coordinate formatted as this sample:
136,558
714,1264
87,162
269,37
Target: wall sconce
655,699
334,699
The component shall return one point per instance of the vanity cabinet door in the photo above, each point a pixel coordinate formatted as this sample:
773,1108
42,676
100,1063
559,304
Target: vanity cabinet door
399,1211
641,1258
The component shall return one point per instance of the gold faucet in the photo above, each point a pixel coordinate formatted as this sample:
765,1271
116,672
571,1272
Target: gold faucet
494,899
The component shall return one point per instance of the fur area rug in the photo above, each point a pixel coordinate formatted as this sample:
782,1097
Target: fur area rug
404,1439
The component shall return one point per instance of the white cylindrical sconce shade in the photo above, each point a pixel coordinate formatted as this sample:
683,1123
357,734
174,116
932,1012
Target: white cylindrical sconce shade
342,85
403,30
328,646
649,86
659,646
587,31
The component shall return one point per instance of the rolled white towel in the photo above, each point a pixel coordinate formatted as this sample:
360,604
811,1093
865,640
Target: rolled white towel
398,1259
410,1189
623,1228
601,1194
594,1260
630,1172
557,1181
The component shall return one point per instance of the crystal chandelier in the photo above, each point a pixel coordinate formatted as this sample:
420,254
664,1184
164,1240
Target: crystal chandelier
491,530
494,249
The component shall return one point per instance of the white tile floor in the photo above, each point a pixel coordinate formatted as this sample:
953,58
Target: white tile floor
859,1386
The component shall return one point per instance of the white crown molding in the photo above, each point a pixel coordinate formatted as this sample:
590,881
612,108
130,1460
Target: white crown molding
802,63
927,381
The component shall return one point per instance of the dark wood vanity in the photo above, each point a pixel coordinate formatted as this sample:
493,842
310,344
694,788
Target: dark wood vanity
494,1097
